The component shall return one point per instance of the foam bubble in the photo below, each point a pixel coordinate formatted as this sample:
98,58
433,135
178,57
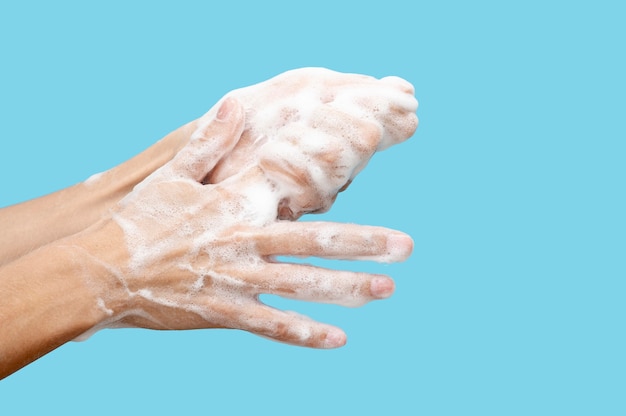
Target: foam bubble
94,179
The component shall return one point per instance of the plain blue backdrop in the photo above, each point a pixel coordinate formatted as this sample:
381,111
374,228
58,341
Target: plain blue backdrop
512,188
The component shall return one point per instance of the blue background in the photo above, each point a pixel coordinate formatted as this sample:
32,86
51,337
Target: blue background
512,187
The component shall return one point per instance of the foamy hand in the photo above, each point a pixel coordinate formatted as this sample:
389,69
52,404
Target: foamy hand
184,255
312,130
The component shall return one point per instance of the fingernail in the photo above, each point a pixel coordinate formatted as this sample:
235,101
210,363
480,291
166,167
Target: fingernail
225,109
335,338
382,287
399,247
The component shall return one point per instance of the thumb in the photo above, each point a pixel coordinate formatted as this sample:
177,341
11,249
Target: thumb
214,138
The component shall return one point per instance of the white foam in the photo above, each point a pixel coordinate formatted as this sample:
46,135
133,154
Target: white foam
94,179
104,308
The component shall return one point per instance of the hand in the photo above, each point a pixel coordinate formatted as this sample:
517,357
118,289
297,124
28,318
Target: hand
180,254
323,125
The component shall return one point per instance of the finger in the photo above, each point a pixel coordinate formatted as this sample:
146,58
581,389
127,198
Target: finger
351,127
334,241
316,284
399,126
343,188
399,83
291,328
214,138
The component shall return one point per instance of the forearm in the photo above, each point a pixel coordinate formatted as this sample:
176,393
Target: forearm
32,224
44,302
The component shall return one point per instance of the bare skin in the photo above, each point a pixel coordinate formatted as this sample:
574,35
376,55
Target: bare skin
189,247
73,209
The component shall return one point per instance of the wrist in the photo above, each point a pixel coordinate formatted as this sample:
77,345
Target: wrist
100,254
45,303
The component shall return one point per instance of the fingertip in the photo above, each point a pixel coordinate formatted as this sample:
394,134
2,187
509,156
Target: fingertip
335,338
399,247
402,84
415,123
382,287
227,109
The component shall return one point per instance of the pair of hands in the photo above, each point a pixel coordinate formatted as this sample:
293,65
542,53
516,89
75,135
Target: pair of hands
194,244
